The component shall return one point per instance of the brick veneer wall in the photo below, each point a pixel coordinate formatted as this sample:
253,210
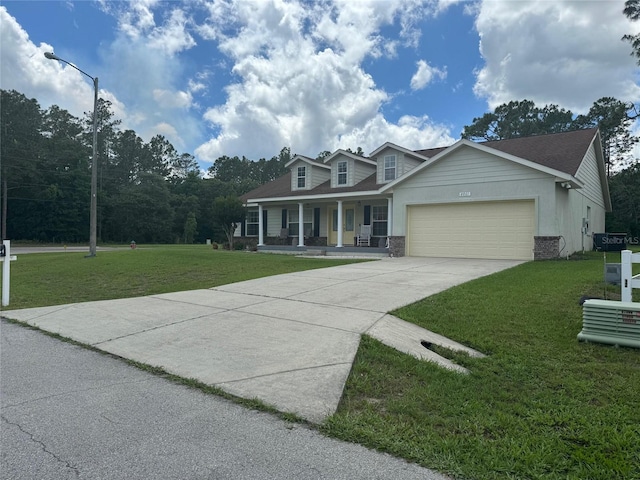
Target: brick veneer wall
397,246
545,248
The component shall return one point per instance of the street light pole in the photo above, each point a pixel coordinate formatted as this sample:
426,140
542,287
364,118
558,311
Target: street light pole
94,160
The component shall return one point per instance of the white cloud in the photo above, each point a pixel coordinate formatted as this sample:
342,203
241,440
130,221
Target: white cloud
173,37
300,77
425,74
562,52
410,132
25,69
137,20
172,99
148,102
149,71
169,132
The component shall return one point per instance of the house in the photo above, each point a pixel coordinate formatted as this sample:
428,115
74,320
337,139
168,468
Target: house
526,198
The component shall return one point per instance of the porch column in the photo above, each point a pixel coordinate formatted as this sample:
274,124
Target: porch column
389,216
339,224
300,224
260,227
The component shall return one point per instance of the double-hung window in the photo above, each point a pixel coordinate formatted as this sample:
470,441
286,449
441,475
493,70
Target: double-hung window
252,223
379,218
302,177
294,222
342,173
389,168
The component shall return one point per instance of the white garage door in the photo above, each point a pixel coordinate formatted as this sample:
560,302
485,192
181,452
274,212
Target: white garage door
472,230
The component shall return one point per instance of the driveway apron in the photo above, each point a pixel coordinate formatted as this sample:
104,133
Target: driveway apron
288,340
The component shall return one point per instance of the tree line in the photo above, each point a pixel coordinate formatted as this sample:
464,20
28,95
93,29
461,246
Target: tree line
147,191
151,193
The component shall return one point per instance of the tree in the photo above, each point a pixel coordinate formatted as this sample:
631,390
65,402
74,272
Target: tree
624,188
190,228
184,167
326,153
160,156
520,119
20,150
228,212
632,12
208,190
358,151
614,119
142,212
66,168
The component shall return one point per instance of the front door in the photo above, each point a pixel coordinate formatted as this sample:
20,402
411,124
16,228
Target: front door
348,225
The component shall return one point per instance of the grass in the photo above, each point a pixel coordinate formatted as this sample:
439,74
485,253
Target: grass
58,278
541,405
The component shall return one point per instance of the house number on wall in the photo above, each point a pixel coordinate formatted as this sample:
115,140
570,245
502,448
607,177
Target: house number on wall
464,194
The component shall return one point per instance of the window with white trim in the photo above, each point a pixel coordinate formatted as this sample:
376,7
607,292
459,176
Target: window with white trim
252,223
294,224
302,177
342,173
379,219
389,168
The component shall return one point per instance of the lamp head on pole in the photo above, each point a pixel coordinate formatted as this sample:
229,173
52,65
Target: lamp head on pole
51,56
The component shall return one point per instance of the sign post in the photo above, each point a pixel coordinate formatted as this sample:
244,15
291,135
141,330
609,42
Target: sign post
629,281
6,259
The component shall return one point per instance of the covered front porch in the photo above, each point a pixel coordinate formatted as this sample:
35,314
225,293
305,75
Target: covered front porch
340,223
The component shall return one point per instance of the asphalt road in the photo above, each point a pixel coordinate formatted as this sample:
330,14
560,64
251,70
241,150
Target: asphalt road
71,413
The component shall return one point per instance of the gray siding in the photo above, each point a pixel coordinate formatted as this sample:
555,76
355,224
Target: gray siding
588,174
319,175
404,164
471,166
356,171
409,164
362,171
315,175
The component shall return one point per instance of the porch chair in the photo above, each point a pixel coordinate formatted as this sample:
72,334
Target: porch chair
364,237
284,235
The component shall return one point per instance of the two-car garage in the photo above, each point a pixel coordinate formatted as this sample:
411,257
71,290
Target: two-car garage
501,230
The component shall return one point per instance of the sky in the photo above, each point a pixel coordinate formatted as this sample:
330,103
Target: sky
249,77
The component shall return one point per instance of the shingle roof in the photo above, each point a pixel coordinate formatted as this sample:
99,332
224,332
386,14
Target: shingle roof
560,151
281,187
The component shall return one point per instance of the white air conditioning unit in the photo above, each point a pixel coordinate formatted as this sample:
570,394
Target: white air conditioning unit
611,322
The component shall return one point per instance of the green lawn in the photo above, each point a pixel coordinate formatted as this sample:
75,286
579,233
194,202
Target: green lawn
541,405
41,279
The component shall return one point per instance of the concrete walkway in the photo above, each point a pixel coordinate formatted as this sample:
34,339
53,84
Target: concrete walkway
288,340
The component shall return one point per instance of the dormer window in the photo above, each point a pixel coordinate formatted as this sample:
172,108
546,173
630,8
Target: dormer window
302,177
389,168
342,173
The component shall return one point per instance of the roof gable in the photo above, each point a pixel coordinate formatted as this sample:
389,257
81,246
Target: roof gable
560,151
388,145
557,154
308,160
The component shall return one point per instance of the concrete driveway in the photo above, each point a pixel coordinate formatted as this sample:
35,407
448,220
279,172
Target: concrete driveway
288,340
